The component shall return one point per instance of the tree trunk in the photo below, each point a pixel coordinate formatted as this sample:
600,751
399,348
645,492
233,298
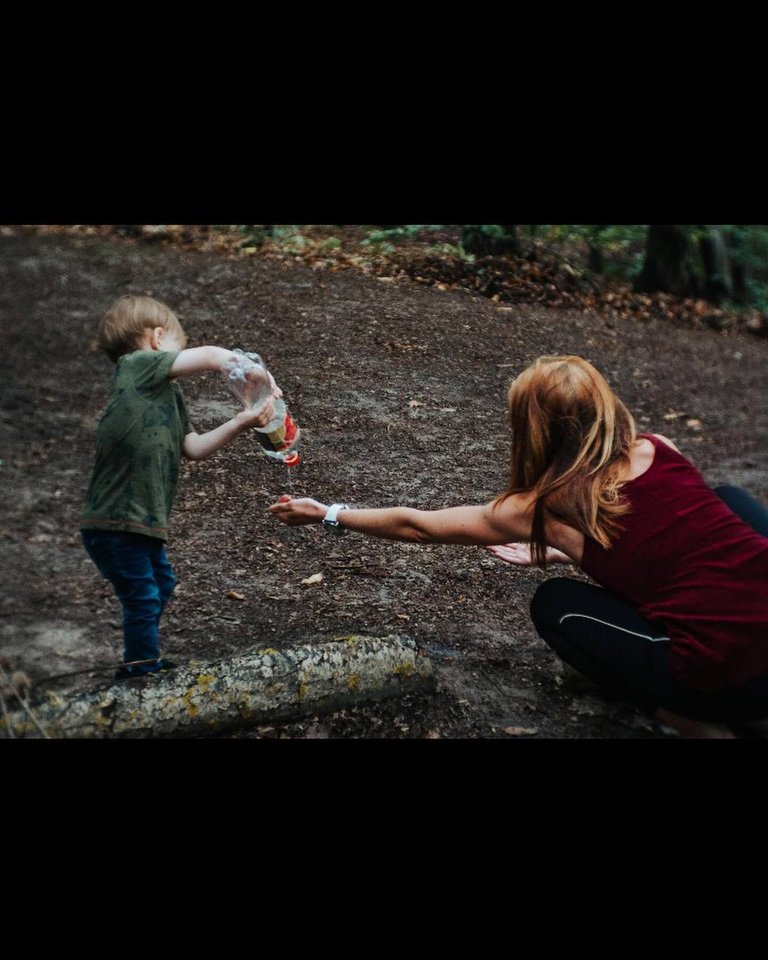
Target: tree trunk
531,255
717,273
667,262
738,282
734,238
596,261
490,239
208,698
512,244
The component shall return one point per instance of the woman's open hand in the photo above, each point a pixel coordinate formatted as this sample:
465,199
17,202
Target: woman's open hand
520,554
294,513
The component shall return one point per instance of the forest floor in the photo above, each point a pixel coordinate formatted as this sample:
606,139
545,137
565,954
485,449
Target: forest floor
396,368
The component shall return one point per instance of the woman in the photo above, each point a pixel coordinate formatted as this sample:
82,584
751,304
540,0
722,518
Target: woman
679,625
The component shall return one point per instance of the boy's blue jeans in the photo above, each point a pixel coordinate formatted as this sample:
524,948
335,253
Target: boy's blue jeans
139,570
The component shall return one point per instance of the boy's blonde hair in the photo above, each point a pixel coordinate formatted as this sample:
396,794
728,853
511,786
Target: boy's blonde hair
123,325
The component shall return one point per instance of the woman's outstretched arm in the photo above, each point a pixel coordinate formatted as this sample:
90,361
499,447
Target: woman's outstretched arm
479,524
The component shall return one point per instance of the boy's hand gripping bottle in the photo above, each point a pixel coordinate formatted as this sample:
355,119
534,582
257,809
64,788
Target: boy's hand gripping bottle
248,378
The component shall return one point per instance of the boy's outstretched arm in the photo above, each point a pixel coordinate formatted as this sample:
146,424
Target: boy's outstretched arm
199,446
204,359
199,360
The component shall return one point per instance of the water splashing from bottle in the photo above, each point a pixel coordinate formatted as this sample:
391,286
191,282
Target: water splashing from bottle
291,462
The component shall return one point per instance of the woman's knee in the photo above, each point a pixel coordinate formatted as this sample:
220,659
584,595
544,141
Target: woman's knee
745,506
551,600
728,490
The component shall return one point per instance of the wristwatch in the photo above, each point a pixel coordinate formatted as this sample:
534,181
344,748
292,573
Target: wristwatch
330,521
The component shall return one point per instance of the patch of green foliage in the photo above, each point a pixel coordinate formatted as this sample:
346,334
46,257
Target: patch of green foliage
450,250
397,234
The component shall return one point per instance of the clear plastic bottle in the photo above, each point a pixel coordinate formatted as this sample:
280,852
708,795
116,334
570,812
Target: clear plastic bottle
248,378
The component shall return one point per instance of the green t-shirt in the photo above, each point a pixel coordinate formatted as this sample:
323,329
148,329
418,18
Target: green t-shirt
138,448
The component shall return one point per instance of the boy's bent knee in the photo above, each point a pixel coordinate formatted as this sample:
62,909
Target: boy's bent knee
135,610
167,585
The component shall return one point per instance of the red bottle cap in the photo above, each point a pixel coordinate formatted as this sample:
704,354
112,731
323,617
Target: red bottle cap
292,459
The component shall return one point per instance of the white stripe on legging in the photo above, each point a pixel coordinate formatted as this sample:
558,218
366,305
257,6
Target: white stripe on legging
605,623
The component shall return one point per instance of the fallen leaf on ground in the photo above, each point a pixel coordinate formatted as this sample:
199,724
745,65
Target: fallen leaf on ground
316,732
315,578
234,595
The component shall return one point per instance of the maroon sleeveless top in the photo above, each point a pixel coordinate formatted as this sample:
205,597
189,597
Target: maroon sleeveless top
684,558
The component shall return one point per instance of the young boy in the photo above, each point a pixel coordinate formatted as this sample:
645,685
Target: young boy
140,442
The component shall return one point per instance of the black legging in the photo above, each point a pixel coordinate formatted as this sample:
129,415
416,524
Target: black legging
609,641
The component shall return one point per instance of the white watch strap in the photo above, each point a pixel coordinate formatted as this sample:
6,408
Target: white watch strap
331,516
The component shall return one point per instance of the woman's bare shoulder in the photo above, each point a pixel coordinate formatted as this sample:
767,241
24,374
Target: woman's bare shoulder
666,440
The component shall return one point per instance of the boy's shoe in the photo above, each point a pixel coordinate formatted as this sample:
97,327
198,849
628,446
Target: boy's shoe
124,673
166,665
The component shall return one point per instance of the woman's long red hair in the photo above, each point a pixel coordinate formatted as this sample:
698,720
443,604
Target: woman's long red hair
571,435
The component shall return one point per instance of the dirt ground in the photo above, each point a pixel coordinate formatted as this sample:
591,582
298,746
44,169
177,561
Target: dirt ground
399,390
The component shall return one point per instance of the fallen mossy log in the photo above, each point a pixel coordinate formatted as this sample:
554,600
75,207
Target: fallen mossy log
205,698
